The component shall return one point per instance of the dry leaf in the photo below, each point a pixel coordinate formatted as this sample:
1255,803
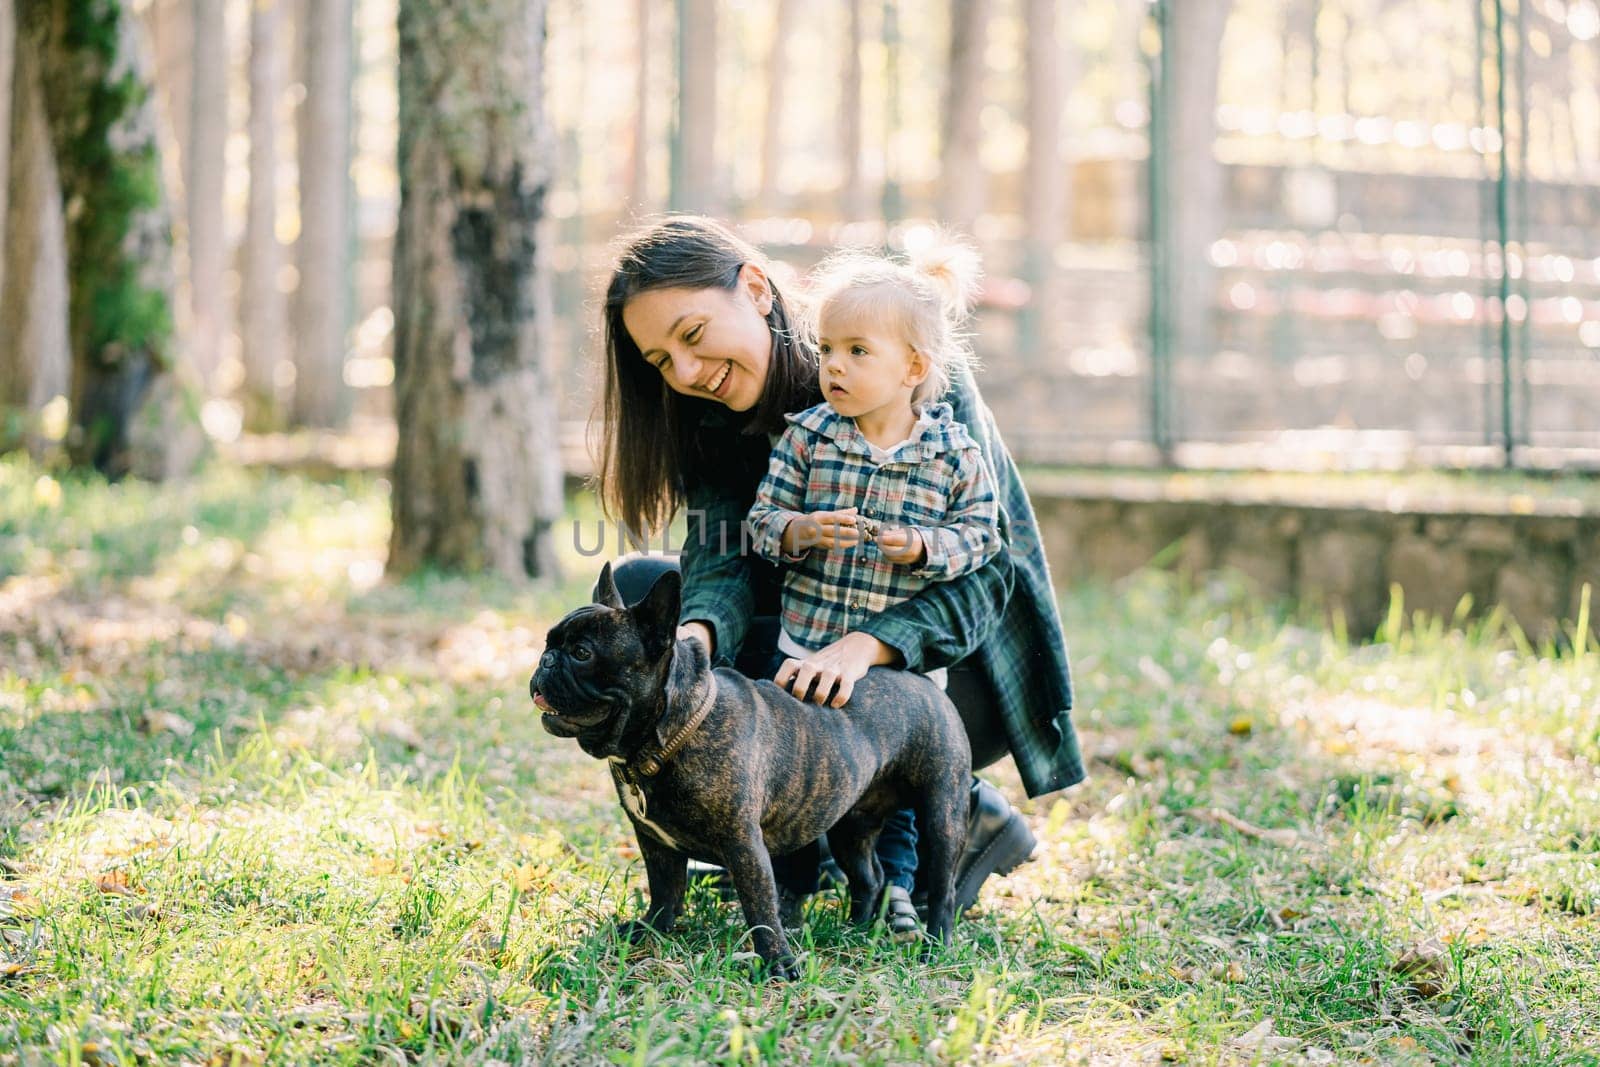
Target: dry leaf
117,882
155,721
1182,974
528,876
11,970
1426,966
381,865
402,731
1241,726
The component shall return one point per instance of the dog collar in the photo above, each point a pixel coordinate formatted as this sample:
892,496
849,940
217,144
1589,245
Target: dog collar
648,761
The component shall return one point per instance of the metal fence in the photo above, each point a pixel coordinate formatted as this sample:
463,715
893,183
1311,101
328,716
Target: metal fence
1403,267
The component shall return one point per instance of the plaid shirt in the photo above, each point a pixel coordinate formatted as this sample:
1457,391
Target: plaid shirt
1002,615
934,483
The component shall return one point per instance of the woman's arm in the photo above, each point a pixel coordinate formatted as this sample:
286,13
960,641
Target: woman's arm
716,573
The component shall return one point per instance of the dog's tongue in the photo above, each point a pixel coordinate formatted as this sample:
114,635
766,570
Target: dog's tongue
538,702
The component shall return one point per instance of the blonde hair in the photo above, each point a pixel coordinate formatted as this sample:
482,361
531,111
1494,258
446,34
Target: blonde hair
925,298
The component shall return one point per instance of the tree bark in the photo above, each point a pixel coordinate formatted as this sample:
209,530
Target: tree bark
1195,190
34,354
323,252
204,171
262,308
694,164
477,479
100,108
639,149
772,125
961,164
1045,178
8,52
853,194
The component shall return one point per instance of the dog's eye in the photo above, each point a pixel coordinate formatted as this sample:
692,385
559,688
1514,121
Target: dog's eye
581,653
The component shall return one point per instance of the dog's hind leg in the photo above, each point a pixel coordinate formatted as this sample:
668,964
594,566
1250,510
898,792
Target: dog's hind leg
751,866
666,870
852,842
942,818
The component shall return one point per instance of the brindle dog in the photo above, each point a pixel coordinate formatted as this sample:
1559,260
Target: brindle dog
712,765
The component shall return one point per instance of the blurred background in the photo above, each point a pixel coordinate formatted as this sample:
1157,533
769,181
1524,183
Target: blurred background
1218,233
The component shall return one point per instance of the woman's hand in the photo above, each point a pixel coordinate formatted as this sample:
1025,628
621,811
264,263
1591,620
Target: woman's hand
698,631
834,670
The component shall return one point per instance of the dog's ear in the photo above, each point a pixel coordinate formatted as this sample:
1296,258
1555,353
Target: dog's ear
657,613
605,590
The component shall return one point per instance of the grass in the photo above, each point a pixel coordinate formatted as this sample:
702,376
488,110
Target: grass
259,805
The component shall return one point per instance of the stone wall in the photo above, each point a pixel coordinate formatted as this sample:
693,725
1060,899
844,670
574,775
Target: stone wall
1531,557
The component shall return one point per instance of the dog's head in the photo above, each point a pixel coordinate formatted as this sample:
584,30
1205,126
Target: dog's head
605,665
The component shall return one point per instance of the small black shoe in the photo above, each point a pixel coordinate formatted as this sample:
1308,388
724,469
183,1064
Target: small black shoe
998,841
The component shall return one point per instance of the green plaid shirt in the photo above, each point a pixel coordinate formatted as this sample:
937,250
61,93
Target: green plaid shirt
1002,615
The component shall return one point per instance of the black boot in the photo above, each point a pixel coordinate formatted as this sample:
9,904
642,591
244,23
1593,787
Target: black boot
998,841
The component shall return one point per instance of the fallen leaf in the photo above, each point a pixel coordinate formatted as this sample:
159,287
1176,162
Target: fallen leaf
155,721
1426,967
117,882
402,731
1182,974
1241,726
528,876
381,865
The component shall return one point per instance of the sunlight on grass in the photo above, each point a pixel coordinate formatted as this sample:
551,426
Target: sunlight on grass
259,804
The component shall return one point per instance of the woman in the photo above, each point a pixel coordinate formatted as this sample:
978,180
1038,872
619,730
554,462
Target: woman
704,357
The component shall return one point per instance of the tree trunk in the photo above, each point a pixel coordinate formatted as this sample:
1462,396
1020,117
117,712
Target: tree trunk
1195,186
1045,178
8,52
961,163
853,194
323,252
34,354
100,107
772,126
639,150
694,163
204,171
262,308
477,478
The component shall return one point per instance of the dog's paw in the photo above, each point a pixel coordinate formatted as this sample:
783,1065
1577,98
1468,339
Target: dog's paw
635,931
784,968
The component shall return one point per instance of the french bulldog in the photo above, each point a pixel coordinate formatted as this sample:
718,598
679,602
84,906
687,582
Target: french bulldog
725,769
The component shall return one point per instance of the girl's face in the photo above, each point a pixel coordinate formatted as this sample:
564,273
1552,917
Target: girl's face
711,343
866,367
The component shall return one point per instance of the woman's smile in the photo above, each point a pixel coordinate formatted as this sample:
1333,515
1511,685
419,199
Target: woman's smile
698,338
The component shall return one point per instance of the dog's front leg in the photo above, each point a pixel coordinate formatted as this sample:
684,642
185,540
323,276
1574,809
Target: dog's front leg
666,871
751,866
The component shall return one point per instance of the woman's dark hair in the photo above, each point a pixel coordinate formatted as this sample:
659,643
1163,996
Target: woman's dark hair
652,446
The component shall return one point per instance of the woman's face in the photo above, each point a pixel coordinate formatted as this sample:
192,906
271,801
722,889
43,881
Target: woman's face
711,343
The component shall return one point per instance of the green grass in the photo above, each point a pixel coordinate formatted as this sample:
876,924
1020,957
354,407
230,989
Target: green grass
258,805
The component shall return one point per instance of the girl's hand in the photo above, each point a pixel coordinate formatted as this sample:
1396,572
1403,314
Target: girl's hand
834,670
902,545
822,529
